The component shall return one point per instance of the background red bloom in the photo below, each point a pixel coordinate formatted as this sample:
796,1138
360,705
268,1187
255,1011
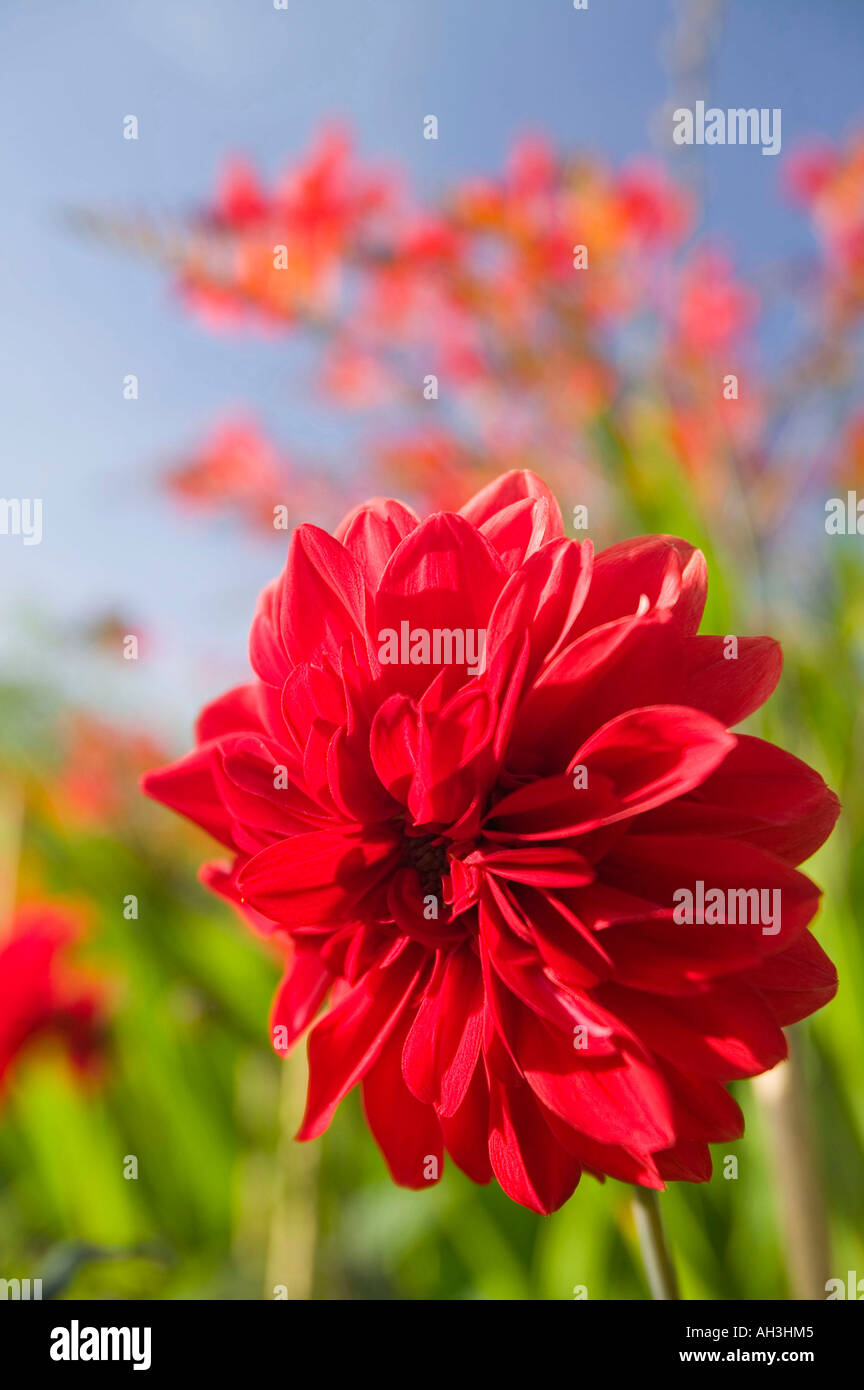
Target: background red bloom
43,998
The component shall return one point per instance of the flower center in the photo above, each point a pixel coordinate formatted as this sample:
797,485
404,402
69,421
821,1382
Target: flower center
428,855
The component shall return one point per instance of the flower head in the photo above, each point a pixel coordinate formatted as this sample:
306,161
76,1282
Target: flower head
476,775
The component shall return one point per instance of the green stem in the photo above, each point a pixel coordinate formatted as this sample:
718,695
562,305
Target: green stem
293,1228
652,1240
797,1180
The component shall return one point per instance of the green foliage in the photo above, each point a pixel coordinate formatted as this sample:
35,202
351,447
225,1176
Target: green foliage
191,1087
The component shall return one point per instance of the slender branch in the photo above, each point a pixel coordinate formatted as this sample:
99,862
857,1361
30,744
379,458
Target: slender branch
656,1257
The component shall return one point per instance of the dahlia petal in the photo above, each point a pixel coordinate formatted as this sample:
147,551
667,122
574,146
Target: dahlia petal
543,598
310,694
726,1032
519,530
445,803
267,654
530,1166
188,787
704,1108
246,772
393,743
658,867
322,597
407,901
686,1161
466,1132
623,1102
406,1130
461,730
522,973
796,982
636,761
660,956
300,995
730,689
552,808
372,531
221,878
436,563
572,953
339,950
344,1045
237,711
444,575
541,865
600,905
507,671
316,770
622,665
250,840
443,1044
323,876
670,572
762,794
509,488
652,755
587,654
604,1160
453,753
355,791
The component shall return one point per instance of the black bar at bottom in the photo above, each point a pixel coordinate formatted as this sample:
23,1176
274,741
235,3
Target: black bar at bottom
73,1338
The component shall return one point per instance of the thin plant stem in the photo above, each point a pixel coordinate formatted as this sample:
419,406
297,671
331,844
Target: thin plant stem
656,1257
294,1224
782,1094
11,823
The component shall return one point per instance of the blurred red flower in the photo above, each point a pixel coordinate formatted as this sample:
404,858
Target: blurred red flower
42,997
95,781
479,870
653,208
238,470
236,465
432,462
713,308
265,256
810,169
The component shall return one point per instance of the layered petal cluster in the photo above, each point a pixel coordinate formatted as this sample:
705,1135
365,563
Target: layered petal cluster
42,996
479,864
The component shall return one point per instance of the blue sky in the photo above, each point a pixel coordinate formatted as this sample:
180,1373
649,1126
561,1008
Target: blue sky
206,77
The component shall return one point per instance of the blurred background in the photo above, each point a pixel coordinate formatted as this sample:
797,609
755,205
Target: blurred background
177,400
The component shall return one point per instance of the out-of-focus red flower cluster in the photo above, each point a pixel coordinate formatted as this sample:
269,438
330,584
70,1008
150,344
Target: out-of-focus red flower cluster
712,308
481,292
43,998
494,258
237,469
236,466
536,308
315,212
829,182
96,781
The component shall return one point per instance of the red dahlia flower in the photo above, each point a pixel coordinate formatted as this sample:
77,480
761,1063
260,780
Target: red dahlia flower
479,871
41,996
